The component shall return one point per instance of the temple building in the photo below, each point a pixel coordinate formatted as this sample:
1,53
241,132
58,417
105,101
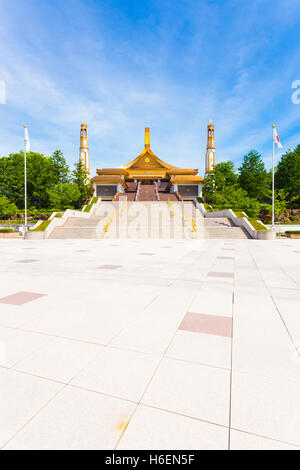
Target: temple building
148,178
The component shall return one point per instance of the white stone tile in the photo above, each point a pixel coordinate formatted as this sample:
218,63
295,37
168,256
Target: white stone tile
121,373
201,348
193,390
56,319
267,407
15,345
17,315
21,396
60,359
76,419
151,428
153,331
261,344
289,310
98,327
244,441
214,300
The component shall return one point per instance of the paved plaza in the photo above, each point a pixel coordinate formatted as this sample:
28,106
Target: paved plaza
150,344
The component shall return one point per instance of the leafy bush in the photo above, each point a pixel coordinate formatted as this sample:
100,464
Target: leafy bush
6,230
7,208
89,206
236,198
42,226
256,224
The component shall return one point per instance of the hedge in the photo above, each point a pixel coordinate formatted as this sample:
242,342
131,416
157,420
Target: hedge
89,206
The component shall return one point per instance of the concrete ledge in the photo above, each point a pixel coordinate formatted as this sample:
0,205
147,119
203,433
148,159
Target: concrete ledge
39,235
238,222
58,222
10,235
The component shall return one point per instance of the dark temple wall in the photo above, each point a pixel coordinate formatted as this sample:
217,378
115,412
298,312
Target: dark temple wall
104,190
188,190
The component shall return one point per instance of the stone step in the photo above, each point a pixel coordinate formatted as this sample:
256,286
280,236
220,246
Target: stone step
73,232
175,227
229,232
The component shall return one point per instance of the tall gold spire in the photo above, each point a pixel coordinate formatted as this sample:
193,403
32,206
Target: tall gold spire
84,155
147,137
210,156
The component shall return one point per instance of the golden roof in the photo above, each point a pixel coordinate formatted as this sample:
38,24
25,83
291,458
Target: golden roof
146,166
147,160
108,179
181,179
112,171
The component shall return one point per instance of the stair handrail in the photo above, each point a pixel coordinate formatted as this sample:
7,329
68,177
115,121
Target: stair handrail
171,207
137,191
156,191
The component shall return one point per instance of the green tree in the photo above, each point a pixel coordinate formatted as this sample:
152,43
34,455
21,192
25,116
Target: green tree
223,175
12,178
253,177
7,208
42,174
60,167
233,197
80,178
287,176
64,196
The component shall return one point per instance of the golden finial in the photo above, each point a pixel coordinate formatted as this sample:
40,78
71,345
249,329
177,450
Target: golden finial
147,137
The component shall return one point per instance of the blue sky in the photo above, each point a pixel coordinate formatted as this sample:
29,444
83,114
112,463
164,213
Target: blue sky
125,65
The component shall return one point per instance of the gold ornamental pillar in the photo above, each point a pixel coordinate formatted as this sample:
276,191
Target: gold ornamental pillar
210,156
84,155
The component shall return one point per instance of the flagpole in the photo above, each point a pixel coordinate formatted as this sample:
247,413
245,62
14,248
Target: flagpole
25,188
273,182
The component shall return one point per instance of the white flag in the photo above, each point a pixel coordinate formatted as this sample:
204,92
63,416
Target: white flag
26,139
276,138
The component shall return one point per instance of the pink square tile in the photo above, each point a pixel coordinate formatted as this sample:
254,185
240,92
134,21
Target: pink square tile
207,324
220,274
26,260
20,298
82,251
146,254
110,266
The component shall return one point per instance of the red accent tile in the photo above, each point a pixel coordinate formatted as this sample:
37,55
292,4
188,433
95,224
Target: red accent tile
220,274
208,324
110,266
147,254
26,260
20,298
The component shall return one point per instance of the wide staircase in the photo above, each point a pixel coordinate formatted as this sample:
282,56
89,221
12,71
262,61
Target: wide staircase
147,219
146,192
222,228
